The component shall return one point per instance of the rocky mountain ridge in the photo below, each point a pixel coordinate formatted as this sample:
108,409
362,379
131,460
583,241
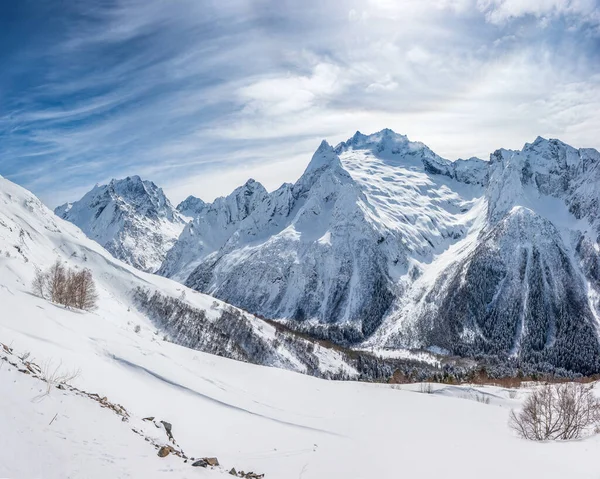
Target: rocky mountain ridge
383,242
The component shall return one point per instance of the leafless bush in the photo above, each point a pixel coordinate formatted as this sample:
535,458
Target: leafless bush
75,289
558,412
482,399
39,284
426,388
54,375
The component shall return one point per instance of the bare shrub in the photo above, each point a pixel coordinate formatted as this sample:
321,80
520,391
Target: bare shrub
54,375
74,289
426,388
482,399
57,283
83,290
39,284
558,412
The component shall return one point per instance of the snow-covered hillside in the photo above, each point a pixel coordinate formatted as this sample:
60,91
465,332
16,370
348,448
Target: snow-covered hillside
131,218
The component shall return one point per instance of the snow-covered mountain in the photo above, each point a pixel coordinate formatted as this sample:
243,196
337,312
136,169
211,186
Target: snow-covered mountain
191,206
131,218
101,394
525,281
32,238
382,240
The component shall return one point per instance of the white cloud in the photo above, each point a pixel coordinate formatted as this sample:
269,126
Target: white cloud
501,11
202,95
291,93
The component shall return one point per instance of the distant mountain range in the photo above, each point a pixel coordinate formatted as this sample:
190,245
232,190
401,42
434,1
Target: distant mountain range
382,242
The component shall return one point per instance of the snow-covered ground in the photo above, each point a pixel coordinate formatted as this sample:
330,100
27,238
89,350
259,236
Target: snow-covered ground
253,418
272,421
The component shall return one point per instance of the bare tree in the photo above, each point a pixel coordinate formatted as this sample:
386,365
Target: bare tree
558,412
55,375
40,283
57,282
85,295
74,289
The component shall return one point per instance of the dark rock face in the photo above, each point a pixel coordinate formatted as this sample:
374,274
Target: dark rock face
527,302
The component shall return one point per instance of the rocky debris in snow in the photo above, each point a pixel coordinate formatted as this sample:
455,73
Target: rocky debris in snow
247,475
206,461
164,451
168,428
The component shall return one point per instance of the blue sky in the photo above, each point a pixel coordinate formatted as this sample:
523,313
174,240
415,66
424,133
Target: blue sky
200,95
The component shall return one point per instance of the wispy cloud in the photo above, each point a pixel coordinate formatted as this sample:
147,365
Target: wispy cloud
199,95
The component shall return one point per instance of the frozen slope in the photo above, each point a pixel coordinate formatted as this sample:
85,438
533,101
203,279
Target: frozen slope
131,218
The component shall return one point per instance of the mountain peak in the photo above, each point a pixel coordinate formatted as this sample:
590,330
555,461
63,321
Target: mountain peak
191,206
383,140
132,218
323,157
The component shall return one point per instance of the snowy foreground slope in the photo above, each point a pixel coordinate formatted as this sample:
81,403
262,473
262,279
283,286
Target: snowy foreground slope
252,418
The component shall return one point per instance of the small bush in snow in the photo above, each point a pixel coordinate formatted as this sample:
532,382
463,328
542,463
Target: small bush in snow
55,375
426,388
74,289
558,412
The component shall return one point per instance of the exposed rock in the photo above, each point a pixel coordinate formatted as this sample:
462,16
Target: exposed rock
164,451
168,428
200,463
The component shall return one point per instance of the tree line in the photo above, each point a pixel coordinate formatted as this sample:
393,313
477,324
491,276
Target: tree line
66,286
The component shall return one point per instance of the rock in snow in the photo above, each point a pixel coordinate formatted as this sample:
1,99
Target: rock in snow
383,241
